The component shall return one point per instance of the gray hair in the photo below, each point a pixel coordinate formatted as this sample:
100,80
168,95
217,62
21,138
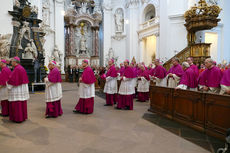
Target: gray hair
18,62
185,64
176,59
210,60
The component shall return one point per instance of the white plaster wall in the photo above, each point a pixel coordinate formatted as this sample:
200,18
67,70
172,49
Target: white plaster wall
119,50
172,34
59,28
107,27
164,20
225,49
5,17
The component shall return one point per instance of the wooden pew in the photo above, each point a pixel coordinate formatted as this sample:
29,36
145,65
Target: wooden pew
205,112
188,108
217,114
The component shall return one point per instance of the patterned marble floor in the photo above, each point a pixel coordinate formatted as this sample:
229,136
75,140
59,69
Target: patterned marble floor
106,131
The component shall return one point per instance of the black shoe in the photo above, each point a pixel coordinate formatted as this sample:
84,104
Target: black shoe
47,116
127,108
115,103
108,105
77,112
3,115
117,108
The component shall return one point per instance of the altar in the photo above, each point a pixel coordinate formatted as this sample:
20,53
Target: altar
82,25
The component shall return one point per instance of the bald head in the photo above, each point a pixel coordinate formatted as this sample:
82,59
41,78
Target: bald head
185,65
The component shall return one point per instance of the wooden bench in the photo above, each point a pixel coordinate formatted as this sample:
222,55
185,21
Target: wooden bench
205,112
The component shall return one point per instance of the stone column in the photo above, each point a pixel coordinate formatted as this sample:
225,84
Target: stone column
140,57
107,27
14,40
132,27
67,49
95,41
71,40
59,29
158,55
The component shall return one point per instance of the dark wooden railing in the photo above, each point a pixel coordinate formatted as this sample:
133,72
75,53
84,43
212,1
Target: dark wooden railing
205,112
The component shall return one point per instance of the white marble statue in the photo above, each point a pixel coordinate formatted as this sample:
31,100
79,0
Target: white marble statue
57,55
30,52
24,33
83,44
5,45
17,3
83,9
213,2
111,55
46,12
119,20
34,9
97,9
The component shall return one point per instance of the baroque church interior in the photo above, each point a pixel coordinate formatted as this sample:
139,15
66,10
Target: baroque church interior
162,67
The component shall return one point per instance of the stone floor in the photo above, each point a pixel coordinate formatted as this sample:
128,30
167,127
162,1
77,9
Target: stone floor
106,131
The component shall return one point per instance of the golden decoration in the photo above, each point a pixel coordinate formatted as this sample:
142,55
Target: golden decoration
26,11
134,60
199,17
82,24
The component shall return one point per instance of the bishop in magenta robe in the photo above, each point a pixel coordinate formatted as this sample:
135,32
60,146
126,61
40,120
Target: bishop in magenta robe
87,90
4,77
110,88
188,79
174,74
225,82
126,90
143,85
53,92
158,74
18,92
210,79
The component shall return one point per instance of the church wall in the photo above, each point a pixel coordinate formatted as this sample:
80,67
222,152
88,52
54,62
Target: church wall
5,18
172,33
107,11
226,30
59,28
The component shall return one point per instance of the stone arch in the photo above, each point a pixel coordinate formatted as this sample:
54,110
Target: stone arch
146,5
149,12
85,18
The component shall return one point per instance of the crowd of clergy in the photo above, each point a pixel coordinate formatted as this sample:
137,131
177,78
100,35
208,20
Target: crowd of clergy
134,81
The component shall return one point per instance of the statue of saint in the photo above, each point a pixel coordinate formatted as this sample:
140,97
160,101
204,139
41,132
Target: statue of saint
83,47
46,12
57,55
30,52
17,3
119,20
5,45
24,33
110,54
84,8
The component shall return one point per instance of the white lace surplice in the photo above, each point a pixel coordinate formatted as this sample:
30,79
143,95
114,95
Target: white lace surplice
86,90
173,81
3,93
18,93
53,92
127,87
143,85
110,85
